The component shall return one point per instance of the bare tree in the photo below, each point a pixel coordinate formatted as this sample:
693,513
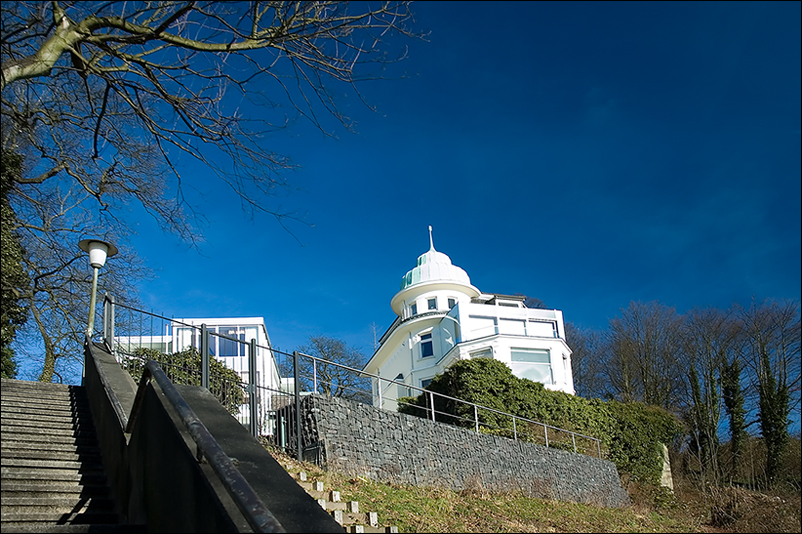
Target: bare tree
102,100
709,344
589,355
772,331
326,372
645,349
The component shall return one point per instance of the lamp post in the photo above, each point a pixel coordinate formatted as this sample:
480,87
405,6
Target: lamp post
98,252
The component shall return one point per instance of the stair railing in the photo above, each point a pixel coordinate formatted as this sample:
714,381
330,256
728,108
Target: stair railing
251,506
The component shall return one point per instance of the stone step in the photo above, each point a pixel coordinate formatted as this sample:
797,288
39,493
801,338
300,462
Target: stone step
22,527
10,384
82,431
53,504
56,465
34,398
368,529
42,391
37,401
346,514
331,496
50,463
26,445
33,440
46,519
18,474
349,518
27,418
44,488
351,506
79,456
313,485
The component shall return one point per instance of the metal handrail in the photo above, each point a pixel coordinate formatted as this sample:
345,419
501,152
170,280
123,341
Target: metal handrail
246,499
389,382
421,390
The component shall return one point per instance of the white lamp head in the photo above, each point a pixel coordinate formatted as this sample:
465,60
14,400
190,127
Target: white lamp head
98,251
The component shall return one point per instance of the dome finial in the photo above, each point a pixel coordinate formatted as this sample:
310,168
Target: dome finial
431,241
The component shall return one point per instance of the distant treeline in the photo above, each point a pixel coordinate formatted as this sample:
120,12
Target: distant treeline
727,374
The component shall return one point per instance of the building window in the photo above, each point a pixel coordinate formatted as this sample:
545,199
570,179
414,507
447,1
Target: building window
451,303
432,304
484,353
401,391
426,346
534,364
425,383
413,309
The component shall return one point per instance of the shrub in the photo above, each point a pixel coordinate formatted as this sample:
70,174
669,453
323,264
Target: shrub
184,367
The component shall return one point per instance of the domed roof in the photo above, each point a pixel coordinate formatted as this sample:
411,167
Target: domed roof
434,266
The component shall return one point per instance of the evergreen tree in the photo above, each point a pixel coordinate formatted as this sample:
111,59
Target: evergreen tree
15,281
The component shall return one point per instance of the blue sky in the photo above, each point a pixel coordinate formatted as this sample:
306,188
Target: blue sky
587,154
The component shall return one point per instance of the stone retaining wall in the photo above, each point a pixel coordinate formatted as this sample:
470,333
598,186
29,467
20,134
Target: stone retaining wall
391,447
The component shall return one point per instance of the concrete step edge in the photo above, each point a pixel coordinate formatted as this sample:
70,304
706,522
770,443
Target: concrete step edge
77,491
14,383
23,445
63,437
12,502
54,518
43,475
372,530
84,460
81,431
45,412
22,527
45,463
349,518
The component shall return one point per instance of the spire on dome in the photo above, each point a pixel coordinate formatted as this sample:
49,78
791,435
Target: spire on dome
431,241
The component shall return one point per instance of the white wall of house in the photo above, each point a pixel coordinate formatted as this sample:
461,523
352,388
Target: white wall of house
185,333
444,319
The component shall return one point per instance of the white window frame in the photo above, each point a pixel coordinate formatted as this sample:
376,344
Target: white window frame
549,364
429,340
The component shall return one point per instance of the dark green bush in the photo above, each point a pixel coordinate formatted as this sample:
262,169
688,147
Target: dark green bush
631,434
184,367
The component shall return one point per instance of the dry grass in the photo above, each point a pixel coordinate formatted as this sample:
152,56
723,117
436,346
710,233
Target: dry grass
475,509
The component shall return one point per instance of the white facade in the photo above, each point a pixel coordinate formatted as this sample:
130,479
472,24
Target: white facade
442,319
184,333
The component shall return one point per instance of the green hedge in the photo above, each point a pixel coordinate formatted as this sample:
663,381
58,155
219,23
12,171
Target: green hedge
631,434
184,367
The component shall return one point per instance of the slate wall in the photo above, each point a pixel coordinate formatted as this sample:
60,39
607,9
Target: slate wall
387,446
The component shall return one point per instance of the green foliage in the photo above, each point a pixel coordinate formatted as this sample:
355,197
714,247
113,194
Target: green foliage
734,404
632,433
15,280
636,442
185,368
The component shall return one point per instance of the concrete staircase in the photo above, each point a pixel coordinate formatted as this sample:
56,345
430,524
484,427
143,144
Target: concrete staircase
52,474
347,514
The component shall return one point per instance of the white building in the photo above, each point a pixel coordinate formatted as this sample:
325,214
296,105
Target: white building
442,319
181,334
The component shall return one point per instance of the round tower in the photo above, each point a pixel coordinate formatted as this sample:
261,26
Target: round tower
433,285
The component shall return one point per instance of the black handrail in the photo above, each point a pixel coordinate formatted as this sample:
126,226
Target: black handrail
251,506
389,382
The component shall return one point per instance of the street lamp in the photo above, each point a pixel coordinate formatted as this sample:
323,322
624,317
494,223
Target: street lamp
98,252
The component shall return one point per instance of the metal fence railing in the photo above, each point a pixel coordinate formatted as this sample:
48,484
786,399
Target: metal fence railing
266,394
